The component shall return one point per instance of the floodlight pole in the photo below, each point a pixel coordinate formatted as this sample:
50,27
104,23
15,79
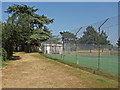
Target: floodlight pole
76,43
99,43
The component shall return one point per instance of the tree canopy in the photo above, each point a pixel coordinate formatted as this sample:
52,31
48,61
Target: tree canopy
118,42
68,37
24,26
91,36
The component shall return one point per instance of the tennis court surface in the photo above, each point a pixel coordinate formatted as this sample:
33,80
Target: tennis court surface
108,63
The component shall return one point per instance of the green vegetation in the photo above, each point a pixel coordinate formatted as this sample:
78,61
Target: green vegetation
91,37
101,80
4,54
5,63
24,28
68,37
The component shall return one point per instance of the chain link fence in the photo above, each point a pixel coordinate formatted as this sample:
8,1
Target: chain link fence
88,46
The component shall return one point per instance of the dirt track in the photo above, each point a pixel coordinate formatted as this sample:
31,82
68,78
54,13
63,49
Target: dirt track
33,72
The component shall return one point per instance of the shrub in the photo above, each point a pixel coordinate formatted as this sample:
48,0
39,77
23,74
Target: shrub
4,54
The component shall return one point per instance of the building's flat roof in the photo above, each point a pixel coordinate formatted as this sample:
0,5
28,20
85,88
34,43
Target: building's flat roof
52,45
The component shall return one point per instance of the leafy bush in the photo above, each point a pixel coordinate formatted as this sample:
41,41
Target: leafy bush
4,54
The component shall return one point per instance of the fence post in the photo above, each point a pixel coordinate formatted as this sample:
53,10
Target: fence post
76,44
62,55
76,52
99,50
99,43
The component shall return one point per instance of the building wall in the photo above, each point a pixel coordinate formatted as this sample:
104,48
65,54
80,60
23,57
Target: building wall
52,48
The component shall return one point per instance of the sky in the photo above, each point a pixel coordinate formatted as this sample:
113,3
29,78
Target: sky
70,16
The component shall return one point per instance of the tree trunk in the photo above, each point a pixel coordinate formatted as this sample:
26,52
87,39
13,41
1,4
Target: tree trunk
9,50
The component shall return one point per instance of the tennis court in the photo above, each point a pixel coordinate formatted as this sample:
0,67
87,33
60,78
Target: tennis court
108,63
